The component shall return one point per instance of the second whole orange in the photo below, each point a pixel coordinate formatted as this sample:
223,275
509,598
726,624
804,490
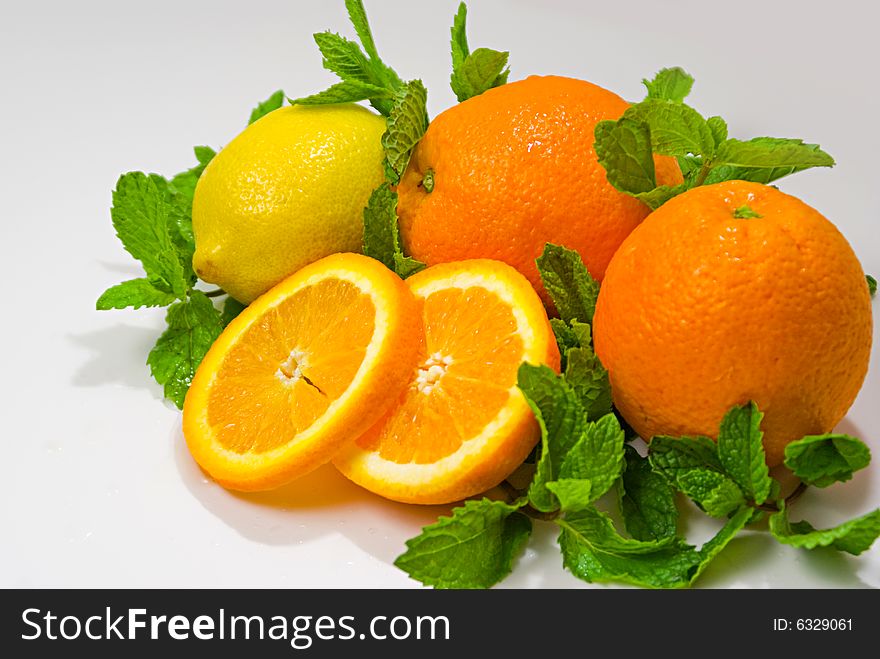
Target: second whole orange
505,172
728,293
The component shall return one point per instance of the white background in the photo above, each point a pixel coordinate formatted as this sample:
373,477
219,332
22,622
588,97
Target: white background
98,488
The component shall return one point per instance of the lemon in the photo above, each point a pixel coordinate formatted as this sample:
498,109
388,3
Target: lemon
288,190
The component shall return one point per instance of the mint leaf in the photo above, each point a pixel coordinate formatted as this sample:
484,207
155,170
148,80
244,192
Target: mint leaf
718,127
358,17
771,153
459,42
231,309
742,453
872,285
854,537
713,547
561,419
271,104
655,198
569,283
134,293
623,148
473,72
193,325
596,456
693,467
574,494
347,91
672,84
346,59
587,377
474,548
146,221
184,183
364,77
481,70
565,336
592,550
407,123
668,455
676,129
647,501
711,490
381,233
822,460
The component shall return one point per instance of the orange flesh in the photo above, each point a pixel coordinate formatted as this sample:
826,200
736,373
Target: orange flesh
286,370
455,401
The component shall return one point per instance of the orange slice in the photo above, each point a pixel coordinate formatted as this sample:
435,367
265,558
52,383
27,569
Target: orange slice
462,425
307,367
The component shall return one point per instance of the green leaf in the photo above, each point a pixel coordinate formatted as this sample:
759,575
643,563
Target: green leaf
358,17
771,153
481,70
822,460
407,123
569,283
345,58
459,42
134,293
231,309
592,550
596,456
872,285
854,537
647,501
474,548
714,492
713,547
671,454
147,222
184,183
589,379
676,129
672,84
193,325
272,103
574,494
660,195
741,451
624,149
347,91
381,233
561,419
718,127
693,467
565,336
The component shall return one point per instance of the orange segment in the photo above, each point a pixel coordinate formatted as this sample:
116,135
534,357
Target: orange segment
462,425
303,370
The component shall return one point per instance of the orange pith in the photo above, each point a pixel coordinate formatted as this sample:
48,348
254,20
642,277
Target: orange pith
729,293
304,369
461,426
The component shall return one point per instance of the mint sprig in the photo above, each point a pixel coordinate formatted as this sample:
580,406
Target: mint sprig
363,74
474,72
662,124
382,235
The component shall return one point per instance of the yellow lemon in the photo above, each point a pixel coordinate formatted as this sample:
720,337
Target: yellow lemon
287,191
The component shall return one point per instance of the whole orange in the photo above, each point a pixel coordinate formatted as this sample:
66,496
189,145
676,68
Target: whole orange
514,168
729,293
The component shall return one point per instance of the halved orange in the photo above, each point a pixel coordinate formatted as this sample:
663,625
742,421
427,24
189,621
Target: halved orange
462,425
306,368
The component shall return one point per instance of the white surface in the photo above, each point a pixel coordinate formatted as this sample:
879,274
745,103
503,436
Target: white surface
98,487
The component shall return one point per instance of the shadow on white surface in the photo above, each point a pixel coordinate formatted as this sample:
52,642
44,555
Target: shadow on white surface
318,504
117,355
